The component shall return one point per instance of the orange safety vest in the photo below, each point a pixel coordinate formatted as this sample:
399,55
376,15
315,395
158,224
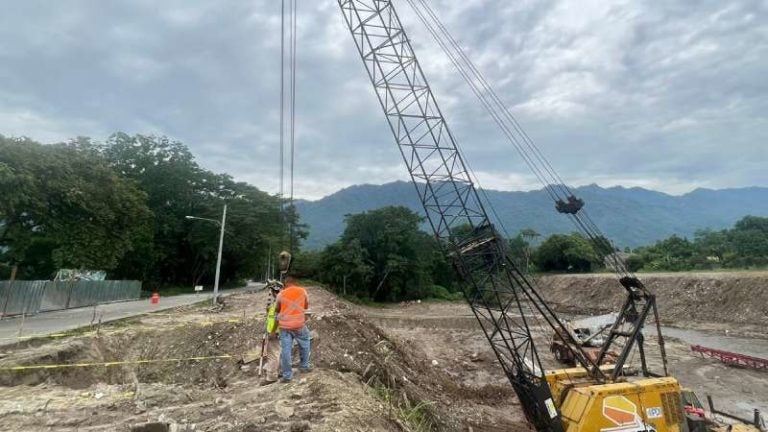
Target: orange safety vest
293,303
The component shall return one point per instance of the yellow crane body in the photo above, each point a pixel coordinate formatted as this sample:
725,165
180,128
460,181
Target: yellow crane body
645,404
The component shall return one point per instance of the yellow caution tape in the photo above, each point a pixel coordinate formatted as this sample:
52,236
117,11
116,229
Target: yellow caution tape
48,335
113,363
61,335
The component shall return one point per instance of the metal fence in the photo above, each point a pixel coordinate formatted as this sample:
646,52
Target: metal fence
30,297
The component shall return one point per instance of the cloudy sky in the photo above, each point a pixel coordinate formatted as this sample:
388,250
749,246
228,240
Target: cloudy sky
669,95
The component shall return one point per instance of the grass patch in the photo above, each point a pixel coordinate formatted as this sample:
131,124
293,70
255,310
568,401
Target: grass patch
382,393
417,417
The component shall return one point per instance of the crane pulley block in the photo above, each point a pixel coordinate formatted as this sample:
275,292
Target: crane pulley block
572,206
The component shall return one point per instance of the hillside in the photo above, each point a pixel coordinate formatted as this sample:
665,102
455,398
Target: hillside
629,216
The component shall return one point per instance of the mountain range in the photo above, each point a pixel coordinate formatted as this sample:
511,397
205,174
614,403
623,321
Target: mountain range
628,216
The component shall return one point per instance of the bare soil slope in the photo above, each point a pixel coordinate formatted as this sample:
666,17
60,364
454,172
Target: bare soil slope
735,297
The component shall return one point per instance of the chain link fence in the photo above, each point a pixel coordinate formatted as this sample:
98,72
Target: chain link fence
31,297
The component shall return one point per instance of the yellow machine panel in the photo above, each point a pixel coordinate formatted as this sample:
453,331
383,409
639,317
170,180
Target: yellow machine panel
648,404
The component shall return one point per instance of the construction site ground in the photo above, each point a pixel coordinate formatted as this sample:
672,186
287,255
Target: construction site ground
415,366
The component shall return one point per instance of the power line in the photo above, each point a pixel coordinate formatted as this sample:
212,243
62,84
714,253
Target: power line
533,157
294,38
282,101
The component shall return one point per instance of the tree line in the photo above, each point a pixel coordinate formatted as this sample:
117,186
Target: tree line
744,246
382,255
120,206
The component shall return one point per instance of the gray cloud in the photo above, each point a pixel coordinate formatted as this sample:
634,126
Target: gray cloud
667,95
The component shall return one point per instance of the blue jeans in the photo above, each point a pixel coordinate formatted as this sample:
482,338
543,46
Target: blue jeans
286,346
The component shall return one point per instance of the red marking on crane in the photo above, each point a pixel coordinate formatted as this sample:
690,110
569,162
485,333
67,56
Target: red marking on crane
732,358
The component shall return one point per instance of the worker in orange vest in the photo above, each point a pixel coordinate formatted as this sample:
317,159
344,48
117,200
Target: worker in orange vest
291,307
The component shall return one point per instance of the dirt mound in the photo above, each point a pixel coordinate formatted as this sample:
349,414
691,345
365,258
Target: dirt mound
739,297
414,390
180,342
365,379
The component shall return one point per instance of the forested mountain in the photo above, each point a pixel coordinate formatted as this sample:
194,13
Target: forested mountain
629,216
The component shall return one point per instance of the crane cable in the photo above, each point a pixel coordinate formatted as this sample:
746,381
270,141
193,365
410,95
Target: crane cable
294,38
288,115
513,131
552,188
281,192
491,100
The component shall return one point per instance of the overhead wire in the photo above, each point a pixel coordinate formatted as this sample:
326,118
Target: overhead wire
471,172
294,37
288,36
282,104
532,155
534,158
500,108
537,320
555,177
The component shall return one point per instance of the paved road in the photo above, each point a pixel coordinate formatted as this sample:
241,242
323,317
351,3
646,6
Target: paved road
61,321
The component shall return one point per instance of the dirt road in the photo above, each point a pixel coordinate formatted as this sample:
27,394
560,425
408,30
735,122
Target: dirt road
43,324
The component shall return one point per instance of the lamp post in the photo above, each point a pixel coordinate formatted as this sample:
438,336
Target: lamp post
221,245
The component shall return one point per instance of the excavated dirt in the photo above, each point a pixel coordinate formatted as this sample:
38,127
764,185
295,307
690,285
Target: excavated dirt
736,301
406,367
449,333
366,378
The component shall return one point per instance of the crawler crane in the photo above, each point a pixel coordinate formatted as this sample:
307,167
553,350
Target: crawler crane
589,397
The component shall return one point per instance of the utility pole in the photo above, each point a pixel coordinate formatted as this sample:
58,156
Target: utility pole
218,260
222,224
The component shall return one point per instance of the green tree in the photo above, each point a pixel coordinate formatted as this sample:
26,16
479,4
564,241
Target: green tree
571,253
63,207
743,246
672,254
748,243
346,265
307,264
519,251
176,186
383,256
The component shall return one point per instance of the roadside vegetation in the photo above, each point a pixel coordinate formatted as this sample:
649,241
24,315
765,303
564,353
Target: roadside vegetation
120,206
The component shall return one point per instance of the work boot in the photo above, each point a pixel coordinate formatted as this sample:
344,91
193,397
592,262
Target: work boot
267,381
305,370
285,380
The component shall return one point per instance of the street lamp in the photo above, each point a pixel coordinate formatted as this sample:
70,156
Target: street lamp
221,245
